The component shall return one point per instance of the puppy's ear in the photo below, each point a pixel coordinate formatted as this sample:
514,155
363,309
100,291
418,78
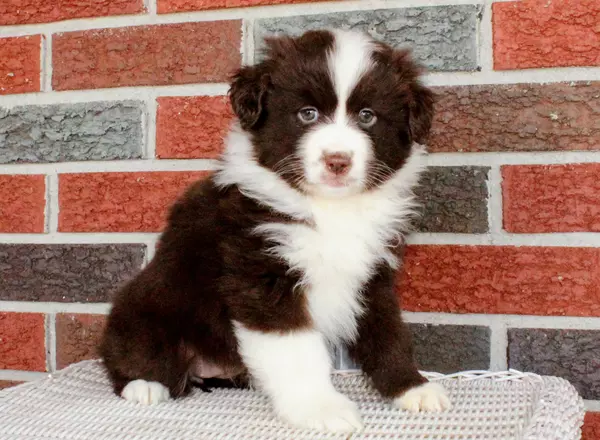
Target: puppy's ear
247,94
421,112
420,98
250,84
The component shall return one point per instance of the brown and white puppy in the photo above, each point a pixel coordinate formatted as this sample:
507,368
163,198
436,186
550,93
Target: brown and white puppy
292,246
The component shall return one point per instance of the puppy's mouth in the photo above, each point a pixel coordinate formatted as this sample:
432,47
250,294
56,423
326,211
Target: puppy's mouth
336,181
333,186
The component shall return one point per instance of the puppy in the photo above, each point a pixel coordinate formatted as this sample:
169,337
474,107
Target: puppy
292,246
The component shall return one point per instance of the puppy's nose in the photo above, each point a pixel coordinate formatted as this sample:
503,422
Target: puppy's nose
337,163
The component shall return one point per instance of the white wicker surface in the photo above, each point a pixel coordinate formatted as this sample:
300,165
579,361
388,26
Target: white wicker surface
78,403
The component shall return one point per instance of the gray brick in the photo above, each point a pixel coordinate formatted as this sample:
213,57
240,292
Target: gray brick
571,354
71,132
66,273
443,38
453,199
451,348
444,348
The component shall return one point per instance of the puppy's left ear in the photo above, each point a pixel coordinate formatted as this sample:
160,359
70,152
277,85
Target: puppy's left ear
421,112
247,94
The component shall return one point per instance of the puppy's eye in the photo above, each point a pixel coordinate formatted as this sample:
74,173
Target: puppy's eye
308,115
366,118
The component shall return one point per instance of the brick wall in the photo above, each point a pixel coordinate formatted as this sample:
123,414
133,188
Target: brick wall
109,108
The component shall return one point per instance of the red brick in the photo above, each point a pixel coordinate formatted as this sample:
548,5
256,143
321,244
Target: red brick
167,6
551,198
191,127
8,383
36,11
146,55
542,33
77,337
501,279
20,64
23,203
119,202
22,341
516,117
591,426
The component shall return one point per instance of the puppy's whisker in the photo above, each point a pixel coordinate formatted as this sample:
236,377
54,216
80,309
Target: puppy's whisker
292,158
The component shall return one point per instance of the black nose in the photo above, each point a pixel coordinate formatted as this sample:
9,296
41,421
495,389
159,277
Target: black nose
337,163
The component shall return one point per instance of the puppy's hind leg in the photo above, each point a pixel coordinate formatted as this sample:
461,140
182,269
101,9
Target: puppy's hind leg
149,368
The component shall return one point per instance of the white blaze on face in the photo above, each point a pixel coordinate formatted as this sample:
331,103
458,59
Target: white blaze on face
348,61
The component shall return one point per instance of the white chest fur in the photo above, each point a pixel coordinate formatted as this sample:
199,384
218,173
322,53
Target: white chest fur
347,238
338,254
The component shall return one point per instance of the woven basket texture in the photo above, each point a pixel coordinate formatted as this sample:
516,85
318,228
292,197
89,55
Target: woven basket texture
78,403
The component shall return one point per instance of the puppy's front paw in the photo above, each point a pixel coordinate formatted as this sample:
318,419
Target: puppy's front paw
427,397
144,392
325,412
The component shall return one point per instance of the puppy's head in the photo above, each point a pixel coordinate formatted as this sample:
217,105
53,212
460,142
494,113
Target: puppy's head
332,113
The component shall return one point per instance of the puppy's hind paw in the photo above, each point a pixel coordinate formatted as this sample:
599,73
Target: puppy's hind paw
144,392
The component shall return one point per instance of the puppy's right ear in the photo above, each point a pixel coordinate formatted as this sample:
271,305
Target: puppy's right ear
247,94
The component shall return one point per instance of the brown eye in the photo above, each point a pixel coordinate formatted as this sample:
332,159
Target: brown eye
366,118
308,115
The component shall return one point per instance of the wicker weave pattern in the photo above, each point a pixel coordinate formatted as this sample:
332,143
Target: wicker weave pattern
78,403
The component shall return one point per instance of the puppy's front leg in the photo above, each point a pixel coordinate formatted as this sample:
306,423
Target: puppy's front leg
293,368
385,353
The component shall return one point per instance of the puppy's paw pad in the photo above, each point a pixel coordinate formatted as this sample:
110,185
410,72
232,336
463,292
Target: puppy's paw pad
430,397
334,413
144,392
